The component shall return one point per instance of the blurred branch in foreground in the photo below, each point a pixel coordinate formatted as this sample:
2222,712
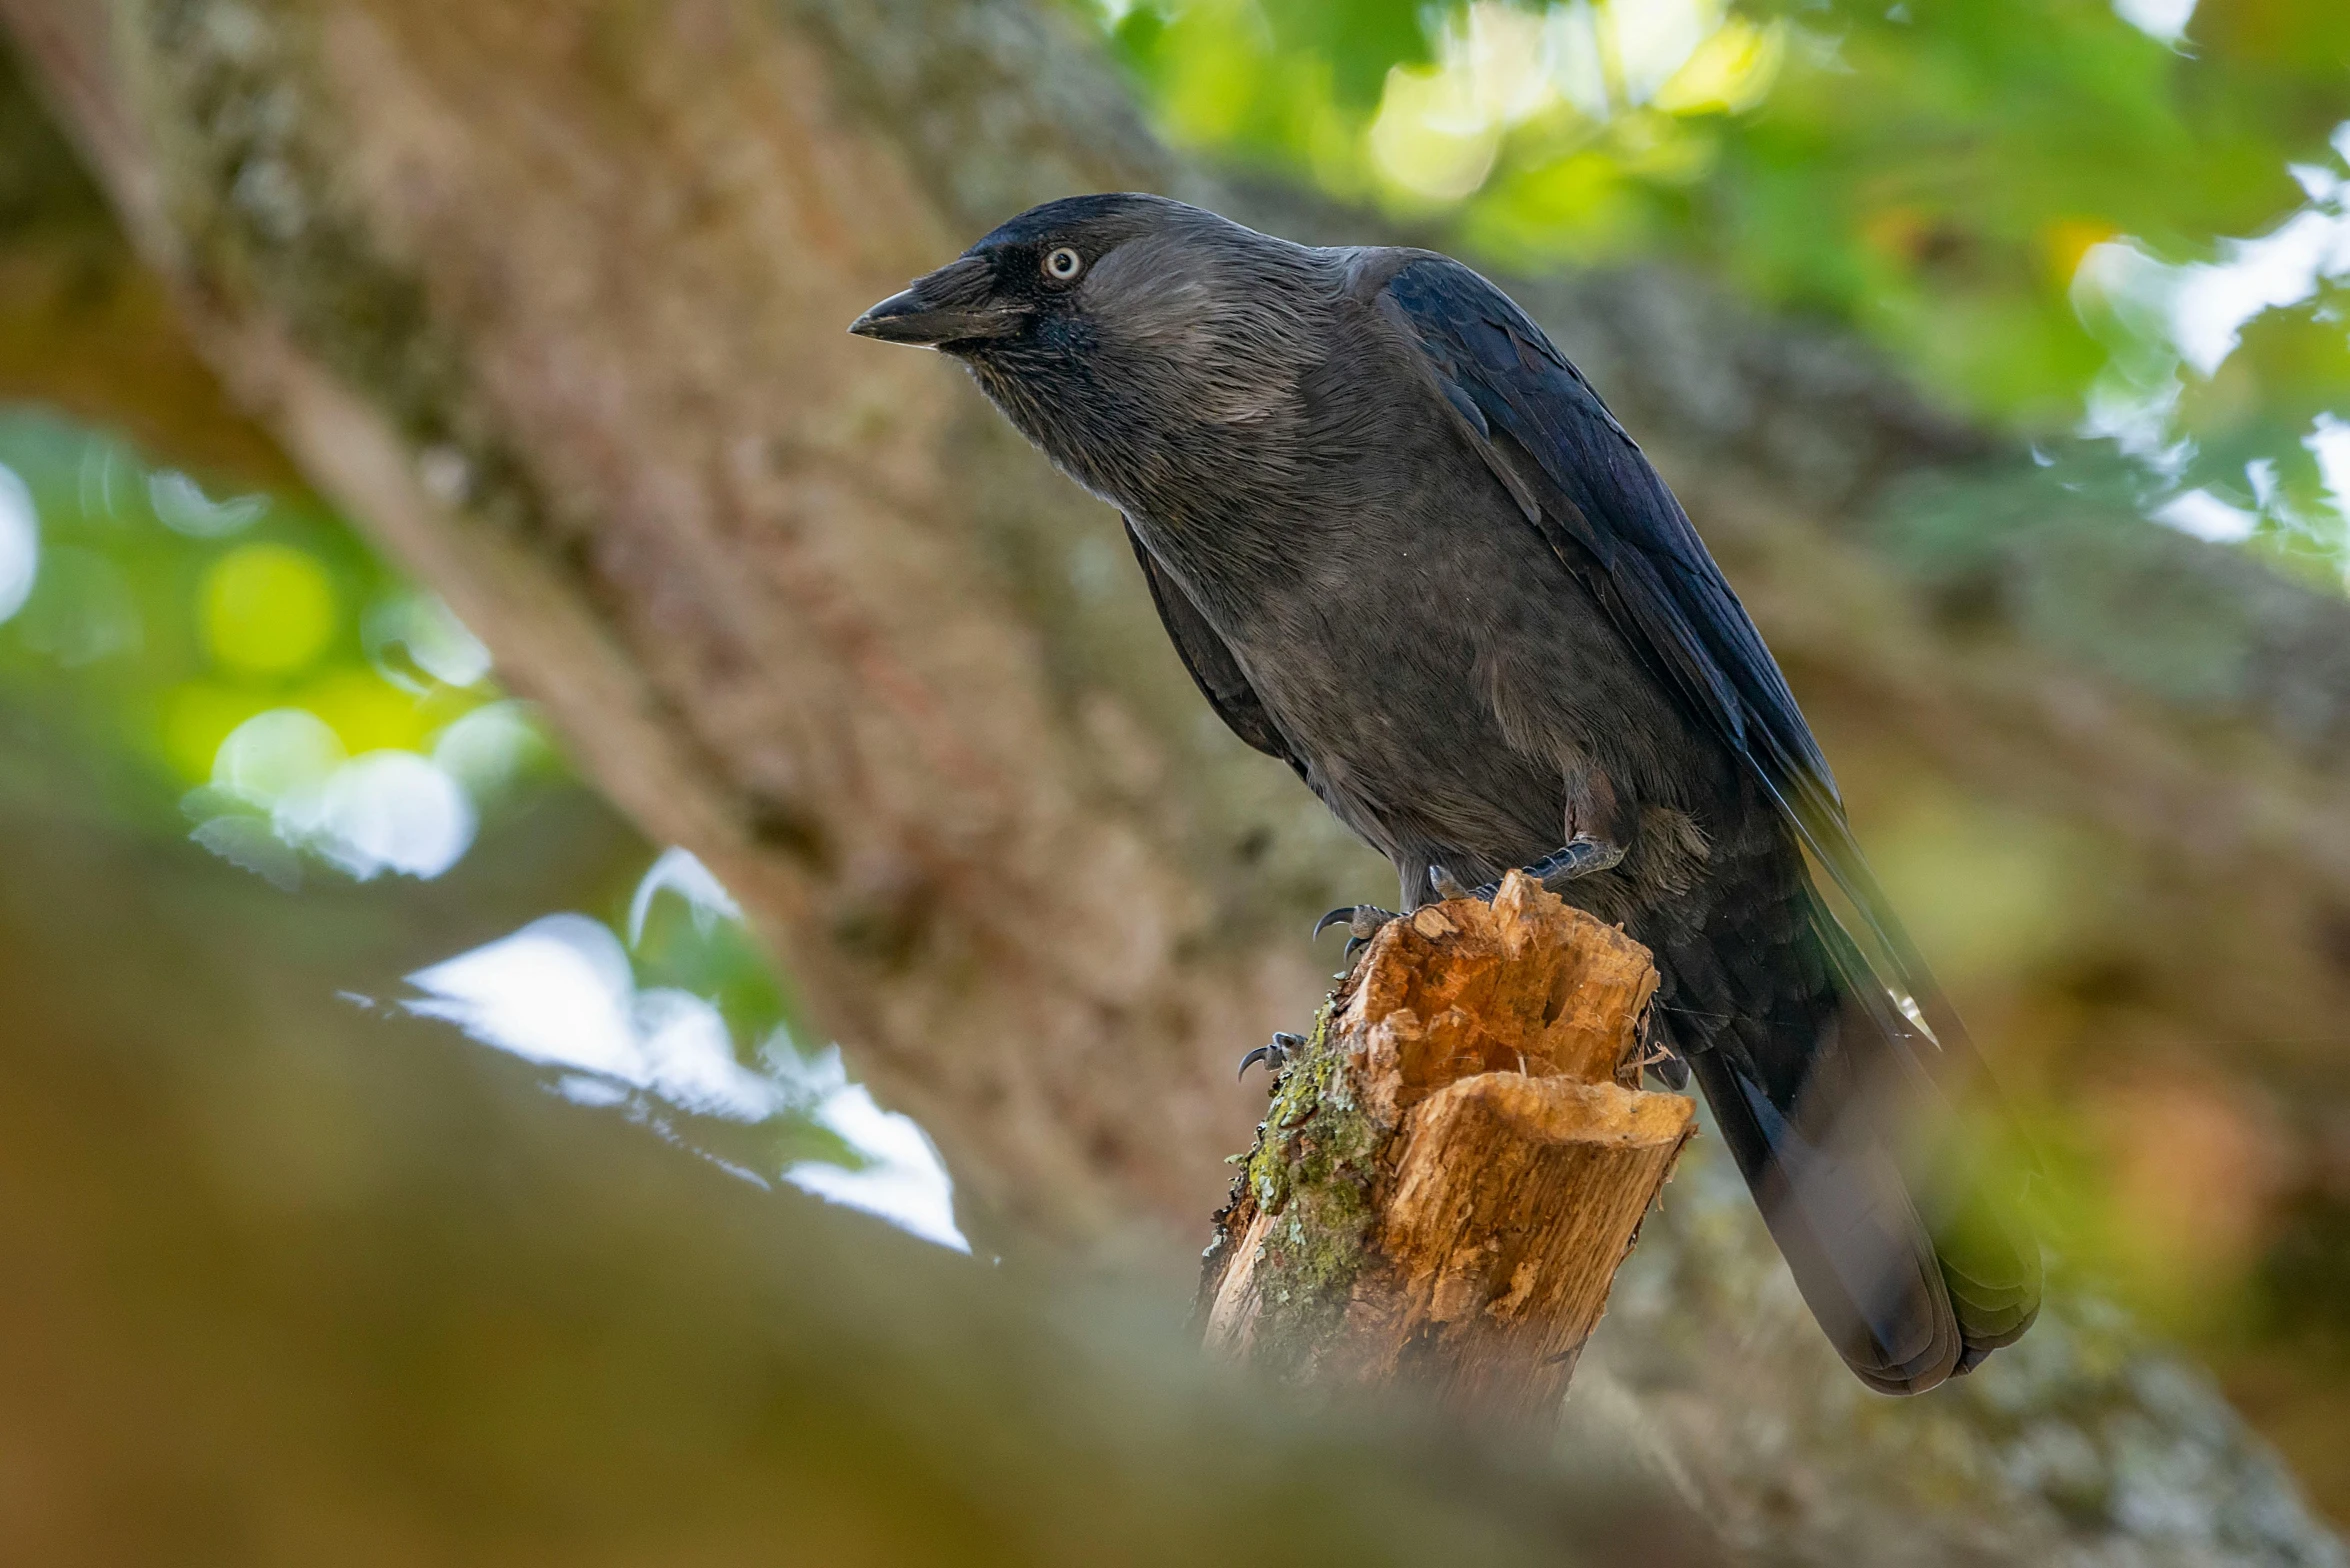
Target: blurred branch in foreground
345,1290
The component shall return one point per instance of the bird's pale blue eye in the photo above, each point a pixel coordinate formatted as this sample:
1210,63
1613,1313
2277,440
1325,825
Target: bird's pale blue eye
1062,264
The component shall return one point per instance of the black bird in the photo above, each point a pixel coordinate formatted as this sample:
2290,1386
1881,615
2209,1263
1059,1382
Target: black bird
1404,547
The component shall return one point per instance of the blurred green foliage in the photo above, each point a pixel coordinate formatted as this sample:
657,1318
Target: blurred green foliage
268,686
2040,207
164,618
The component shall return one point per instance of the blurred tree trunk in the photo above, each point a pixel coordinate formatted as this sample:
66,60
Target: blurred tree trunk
551,298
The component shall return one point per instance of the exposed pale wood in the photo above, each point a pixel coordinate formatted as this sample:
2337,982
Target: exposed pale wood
1454,1168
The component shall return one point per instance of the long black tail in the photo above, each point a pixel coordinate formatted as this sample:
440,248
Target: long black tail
1898,1222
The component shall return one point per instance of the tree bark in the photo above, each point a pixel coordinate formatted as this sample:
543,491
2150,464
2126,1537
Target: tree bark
550,297
1454,1165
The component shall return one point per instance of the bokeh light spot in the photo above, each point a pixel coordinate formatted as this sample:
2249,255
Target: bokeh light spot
1729,72
488,749
267,609
20,543
393,811
271,757
2065,242
197,717
368,712
416,635
182,506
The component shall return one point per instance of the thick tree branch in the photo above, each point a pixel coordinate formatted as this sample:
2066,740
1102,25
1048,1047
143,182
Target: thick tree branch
573,349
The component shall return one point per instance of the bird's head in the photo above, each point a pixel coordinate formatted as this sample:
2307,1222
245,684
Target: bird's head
1039,275
1119,332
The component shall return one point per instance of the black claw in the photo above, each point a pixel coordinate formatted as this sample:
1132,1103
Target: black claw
1275,1055
1362,921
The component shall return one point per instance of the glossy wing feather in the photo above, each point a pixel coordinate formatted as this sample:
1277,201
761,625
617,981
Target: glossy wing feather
1587,486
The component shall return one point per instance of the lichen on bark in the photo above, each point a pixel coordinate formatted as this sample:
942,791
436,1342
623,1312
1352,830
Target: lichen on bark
253,168
1313,1170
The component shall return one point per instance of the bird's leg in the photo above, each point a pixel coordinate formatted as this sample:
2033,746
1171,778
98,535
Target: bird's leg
1275,1055
1362,922
1580,856
1447,885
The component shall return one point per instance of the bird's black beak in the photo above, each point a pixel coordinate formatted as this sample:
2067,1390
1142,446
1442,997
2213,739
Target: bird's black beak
953,305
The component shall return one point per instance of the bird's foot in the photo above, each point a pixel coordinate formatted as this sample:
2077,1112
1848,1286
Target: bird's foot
1362,922
1274,1055
1580,856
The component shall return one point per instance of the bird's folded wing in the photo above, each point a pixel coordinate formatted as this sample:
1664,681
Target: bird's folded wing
1587,486
1213,668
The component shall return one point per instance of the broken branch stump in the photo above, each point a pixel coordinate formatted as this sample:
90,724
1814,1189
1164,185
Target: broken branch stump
1454,1165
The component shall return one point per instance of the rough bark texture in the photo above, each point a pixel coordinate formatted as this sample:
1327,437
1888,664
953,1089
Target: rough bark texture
550,296
1455,1166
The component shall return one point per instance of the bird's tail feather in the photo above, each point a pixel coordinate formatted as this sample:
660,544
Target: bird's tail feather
1899,1225
1963,1167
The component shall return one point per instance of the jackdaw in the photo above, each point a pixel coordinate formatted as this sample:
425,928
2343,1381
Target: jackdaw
1404,547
